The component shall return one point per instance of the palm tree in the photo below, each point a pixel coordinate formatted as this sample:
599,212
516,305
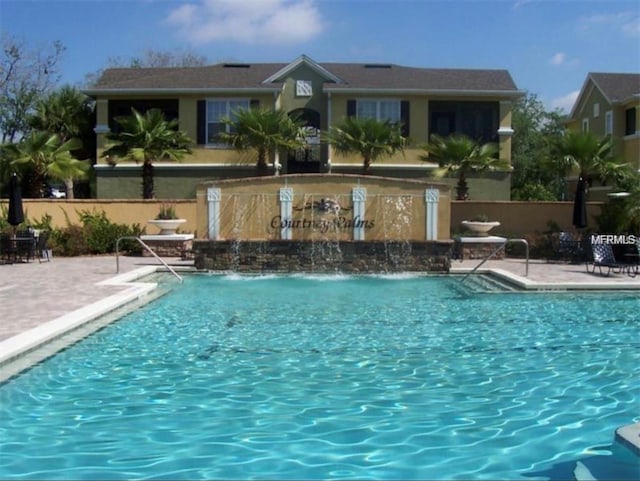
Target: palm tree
458,154
262,130
148,138
66,112
42,156
370,138
590,156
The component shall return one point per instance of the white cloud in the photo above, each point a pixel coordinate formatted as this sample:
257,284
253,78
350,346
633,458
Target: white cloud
558,59
626,22
248,21
632,27
521,3
565,103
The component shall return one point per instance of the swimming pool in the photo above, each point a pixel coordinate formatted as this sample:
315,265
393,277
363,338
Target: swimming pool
318,377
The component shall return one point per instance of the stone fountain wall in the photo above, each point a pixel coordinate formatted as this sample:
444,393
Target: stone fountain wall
355,257
323,223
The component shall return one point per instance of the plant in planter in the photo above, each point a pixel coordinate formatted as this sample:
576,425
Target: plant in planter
167,220
167,212
479,225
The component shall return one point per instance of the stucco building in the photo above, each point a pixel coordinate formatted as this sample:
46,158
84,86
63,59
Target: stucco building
425,101
609,104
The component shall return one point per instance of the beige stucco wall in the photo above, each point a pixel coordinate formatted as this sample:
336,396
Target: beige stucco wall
520,218
289,101
179,179
188,117
517,218
419,115
629,144
626,148
120,211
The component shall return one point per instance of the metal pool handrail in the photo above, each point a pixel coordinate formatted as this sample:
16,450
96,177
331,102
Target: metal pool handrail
498,249
148,249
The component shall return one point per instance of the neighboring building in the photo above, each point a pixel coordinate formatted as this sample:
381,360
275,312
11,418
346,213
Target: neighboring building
477,103
609,104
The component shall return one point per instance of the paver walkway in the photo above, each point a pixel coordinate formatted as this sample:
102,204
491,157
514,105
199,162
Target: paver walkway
33,293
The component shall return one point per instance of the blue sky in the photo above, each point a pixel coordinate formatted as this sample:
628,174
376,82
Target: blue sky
548,46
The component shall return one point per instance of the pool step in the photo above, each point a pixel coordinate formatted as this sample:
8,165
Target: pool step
483,283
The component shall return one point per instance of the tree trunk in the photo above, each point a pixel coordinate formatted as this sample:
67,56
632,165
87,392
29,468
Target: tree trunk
68,185
263,168
147,180
367,165
462,190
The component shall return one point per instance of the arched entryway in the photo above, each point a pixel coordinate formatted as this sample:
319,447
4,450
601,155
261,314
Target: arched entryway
307,159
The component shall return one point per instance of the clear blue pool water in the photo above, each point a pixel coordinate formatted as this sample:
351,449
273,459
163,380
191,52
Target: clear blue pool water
231,377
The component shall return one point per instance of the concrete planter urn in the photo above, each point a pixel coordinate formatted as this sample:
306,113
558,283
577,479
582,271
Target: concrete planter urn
479,228
167,226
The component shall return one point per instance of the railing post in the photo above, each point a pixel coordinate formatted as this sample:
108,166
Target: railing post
148,249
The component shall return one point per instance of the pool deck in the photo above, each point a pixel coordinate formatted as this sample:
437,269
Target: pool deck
550,275
32,294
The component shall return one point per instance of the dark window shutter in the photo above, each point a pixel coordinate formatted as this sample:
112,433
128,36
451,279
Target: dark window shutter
351,108
202,122
404,117
254,103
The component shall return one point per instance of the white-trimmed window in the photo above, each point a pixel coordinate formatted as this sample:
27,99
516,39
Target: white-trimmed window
379,109
217,109
596,110
585,125
608,122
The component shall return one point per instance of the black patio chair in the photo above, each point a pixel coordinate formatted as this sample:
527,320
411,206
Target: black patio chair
570,248
25,245
7,249
634,268
603,257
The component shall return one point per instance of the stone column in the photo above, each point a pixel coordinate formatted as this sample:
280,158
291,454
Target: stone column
359,197
286,209
213,208
431,197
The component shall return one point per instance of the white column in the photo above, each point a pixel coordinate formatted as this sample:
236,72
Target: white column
359,196
213,208
286,209
431,197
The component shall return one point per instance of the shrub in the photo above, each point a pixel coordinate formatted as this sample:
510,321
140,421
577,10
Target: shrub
68,241
533,192
96,235
101,234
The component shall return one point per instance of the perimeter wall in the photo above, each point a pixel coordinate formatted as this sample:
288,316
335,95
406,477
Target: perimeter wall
517,219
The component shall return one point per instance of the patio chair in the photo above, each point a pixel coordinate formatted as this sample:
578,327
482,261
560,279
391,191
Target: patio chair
25,245
7,249
603,257
570,248
42,248
634,268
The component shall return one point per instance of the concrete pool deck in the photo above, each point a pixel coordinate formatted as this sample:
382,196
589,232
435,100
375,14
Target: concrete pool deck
32,294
